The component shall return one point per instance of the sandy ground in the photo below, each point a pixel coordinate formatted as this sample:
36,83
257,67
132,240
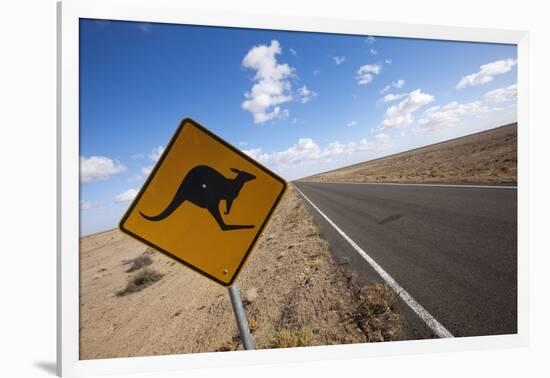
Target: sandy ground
486,157
294,293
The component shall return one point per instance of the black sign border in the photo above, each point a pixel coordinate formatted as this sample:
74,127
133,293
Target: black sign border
183,123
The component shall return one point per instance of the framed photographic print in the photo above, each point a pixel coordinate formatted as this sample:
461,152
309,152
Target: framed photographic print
238,189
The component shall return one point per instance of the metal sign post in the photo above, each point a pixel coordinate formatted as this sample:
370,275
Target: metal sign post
240,317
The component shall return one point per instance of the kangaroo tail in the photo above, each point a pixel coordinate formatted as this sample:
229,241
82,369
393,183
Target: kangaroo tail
165,213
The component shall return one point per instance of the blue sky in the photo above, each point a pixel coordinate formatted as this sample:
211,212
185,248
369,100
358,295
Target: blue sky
301,103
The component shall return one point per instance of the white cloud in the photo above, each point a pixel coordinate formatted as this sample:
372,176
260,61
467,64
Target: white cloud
306,151
98,168
306,94
388,60
137,156
373,52
316,72
128,195
352,123
370,40
401,115
145,171
257,154
336,149
394,84
382,137
293,52
450,115
339,59
272,87
243,143
398,84
87,205
487,72
156,153
392,97
366,73
502,94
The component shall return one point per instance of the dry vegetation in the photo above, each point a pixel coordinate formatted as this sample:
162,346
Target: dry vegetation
294,293
486,157
375,315
140,280
138,262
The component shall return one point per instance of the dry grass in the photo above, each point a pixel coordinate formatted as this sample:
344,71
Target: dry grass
138,262
140,281
287,338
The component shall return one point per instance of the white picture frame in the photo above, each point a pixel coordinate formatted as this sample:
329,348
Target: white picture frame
69,13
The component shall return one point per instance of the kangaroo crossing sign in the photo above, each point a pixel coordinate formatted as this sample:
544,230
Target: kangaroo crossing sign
205,203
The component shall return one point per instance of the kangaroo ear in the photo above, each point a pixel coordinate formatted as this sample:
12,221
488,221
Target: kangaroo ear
235,170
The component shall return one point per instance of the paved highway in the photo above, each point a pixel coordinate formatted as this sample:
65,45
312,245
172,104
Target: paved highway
450,250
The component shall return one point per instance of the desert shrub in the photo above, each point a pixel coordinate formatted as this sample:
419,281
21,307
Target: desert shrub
139,281
138,262
375,314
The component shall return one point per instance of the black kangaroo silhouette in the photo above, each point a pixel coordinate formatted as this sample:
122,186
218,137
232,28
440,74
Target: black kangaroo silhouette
206,187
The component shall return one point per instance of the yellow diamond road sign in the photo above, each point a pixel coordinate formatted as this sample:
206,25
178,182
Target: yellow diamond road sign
205,204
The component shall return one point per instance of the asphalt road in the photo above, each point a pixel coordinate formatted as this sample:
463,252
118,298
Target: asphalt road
452,248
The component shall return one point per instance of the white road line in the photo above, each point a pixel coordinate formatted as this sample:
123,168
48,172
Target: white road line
401,184
426,317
